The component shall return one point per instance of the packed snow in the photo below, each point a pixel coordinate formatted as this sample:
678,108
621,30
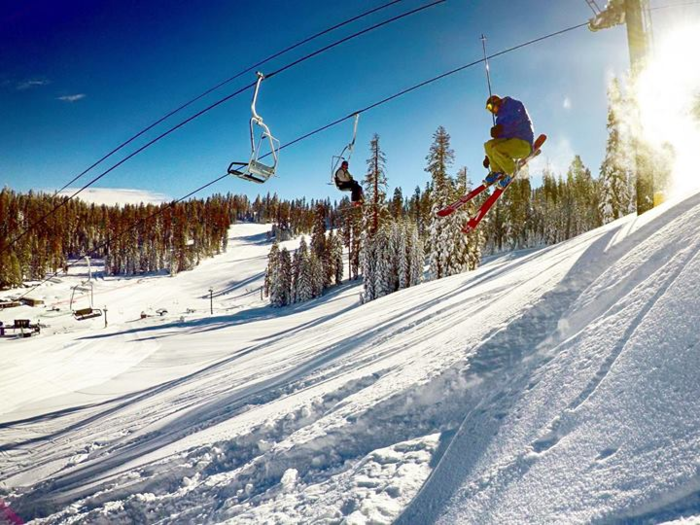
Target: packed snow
556,385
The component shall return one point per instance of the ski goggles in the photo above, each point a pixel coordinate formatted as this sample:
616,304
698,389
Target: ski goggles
490,106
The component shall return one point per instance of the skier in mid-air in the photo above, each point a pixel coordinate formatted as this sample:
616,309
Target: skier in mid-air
512,139
345,182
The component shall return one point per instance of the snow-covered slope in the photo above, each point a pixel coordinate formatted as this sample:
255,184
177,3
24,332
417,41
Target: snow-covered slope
556,385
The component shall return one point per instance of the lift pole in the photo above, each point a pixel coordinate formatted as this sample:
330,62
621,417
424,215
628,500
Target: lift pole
632,13
638,40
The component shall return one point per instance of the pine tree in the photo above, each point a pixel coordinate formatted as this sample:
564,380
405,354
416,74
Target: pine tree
416,258
318,235
336,257
286,277
396,207
375,185
368,260
402,240
616,169
383,275
446,248
304,289
272,271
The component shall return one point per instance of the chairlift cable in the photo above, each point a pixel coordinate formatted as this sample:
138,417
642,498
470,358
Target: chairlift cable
227,81
427,82
214,105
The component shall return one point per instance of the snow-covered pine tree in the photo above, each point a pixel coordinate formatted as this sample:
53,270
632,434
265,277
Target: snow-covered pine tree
395,247
299,262
303,284
319,244
375,185
318,234
328,261
402,240
462,259
383,274
517,207
396,207
552,208
616,169
368,264
318,275
475,239
414,212
416,257
336,257
445,238
286,278
372,250
272,270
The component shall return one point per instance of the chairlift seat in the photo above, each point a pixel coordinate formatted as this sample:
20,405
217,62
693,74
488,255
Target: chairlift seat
242,172
260,169
87,313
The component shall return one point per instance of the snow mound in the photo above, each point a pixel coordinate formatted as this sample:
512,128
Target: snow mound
556,385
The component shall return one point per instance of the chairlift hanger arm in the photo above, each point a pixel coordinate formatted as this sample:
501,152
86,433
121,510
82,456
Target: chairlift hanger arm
351,146
613,15
594,7
256,117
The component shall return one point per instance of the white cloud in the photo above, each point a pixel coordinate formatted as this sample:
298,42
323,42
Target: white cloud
117,196
567,103
29,84
72,98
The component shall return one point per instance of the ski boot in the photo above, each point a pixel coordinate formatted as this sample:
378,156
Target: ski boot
492,177
504,181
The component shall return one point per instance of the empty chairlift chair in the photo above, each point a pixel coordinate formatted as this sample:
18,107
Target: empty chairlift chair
255,170
87,312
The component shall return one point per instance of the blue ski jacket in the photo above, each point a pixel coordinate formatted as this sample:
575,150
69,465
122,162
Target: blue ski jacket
515,121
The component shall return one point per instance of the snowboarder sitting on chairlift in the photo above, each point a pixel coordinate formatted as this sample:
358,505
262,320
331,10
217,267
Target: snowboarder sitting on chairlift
512,139
345,182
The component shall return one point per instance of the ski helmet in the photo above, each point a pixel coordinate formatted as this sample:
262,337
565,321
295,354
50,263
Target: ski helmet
493,102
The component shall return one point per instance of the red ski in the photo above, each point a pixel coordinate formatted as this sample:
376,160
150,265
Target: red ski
488,204
449,210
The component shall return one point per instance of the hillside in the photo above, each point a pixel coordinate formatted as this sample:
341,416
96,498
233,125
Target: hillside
554,385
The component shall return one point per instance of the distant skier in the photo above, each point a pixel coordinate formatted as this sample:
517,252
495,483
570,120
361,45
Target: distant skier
345,182
512,139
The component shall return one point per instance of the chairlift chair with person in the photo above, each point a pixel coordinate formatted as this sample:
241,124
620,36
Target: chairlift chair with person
345,154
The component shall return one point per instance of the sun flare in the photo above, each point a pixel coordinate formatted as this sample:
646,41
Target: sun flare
668,94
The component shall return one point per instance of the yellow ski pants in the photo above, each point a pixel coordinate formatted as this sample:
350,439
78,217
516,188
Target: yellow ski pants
502,153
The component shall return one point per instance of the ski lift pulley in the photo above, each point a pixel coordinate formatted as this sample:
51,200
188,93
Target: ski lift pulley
337,160
254,170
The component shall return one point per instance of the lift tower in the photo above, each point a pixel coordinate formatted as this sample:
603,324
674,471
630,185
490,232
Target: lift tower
635,14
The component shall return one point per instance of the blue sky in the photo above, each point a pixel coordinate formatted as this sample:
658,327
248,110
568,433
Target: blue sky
78,77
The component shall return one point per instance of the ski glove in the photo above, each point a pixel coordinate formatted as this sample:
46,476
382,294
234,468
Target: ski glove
496,131
486,162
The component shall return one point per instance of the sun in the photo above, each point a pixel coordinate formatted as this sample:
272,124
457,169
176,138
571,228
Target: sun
668,93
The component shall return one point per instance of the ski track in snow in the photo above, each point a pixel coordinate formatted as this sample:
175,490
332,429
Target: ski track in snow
512,394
